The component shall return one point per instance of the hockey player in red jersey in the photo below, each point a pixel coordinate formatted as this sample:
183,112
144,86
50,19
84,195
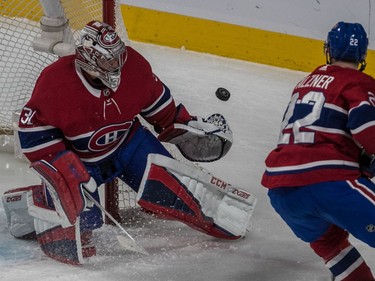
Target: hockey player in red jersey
318,176
80,129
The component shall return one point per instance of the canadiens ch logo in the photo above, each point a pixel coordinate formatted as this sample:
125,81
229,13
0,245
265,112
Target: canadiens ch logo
109,136
110,37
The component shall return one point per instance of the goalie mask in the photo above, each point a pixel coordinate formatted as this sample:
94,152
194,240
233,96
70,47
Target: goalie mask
101,53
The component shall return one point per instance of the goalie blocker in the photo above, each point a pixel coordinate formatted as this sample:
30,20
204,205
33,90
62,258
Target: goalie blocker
30,217
57,224
185,193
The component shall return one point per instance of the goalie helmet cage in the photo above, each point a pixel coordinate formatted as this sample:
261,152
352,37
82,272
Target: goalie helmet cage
21,65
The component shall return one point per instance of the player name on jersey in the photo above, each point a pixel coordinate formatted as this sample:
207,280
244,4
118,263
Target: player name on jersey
316,80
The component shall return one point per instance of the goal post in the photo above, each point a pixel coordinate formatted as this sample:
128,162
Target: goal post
30,34
109,12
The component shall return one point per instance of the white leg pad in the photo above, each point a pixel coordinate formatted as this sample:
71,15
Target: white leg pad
233,214
229,207
15,203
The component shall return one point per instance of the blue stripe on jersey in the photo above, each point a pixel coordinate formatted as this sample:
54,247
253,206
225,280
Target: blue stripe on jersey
329,117
300,112
334,119
38,136
360,116
164,99
348,260
81,144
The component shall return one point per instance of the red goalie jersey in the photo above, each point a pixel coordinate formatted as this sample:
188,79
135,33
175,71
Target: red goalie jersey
68,113
331,115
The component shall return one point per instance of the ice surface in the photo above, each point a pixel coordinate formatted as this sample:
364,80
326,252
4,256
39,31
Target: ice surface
270,252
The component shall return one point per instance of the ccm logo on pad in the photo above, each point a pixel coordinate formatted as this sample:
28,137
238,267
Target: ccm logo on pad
14,198
240,193
219,183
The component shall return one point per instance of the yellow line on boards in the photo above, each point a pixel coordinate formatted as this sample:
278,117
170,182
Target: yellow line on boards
228,40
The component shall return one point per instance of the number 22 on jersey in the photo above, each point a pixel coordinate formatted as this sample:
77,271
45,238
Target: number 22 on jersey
301,113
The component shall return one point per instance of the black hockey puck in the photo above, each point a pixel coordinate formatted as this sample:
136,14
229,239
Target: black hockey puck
222,94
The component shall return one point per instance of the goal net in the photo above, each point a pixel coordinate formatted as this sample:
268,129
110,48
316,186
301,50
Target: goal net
21,65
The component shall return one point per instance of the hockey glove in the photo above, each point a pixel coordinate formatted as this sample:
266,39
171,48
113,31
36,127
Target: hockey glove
64,178
29,216
367,164
201,139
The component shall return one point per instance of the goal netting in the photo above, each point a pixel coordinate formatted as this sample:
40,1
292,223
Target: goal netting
20,64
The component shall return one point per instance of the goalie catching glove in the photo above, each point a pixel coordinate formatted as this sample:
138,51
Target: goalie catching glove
201,139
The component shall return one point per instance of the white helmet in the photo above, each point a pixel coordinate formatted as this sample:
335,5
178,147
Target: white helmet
101,52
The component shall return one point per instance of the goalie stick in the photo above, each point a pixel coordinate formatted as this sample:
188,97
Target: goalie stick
128,242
